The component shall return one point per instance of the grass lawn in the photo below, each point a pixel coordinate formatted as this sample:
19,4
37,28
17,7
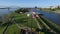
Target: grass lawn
2,29
21,19
13,29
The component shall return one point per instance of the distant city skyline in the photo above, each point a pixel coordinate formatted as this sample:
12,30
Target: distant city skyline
29,3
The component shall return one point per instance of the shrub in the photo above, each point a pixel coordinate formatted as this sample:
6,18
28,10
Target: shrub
21,10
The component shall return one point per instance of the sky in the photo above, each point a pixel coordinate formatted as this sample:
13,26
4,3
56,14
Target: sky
29,3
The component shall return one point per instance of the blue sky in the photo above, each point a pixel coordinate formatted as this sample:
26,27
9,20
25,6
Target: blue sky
29,3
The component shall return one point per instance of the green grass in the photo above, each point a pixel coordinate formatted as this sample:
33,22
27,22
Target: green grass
23,19
13,29
2,29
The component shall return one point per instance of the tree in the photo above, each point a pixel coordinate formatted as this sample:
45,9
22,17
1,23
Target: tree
58,7
23,10
51,7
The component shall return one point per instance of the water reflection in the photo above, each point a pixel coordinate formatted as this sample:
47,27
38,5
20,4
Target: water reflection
5,11
53,17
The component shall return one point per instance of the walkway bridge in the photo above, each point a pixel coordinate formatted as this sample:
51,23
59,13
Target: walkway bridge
44,25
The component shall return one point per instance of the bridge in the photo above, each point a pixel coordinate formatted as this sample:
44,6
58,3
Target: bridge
44,25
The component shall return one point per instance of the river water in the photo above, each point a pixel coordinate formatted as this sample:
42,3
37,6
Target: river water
54,17
5,11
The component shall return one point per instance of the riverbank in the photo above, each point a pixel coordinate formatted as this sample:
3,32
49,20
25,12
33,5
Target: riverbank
55,10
